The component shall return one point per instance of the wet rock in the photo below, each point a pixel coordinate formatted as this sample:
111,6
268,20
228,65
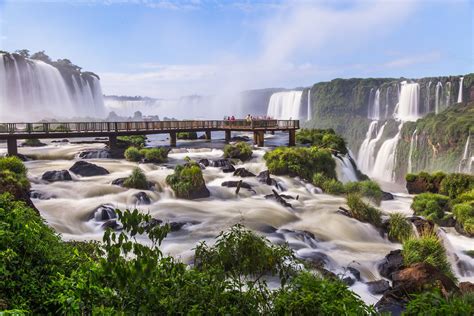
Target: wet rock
113,224
119,181
95,154
203,136
354,272
348,281
448,221
228,169
87,169
175,226
102,213
56,175
34,194
234,184
316,258
205,162
267,229
466,287
387,196
277,197
24,157
60,141
460,229
242,172
240,139
264,177
420,276
423,226
343,211
224,164
142,198
392,263
378,287
392,303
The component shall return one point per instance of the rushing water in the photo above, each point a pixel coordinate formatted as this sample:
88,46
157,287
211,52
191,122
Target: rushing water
467,159
285,105
413,143
438,96
374,106
461,80
366,158
309,105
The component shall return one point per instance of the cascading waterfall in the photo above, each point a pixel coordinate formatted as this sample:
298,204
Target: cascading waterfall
460,89
413,144
34,90
285,105
448,95
438,96
366,157
427,100
387,101
385,162
309,105
408,108
344,169
465,165
374,106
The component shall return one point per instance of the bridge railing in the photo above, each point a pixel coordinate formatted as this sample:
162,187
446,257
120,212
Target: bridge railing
85,127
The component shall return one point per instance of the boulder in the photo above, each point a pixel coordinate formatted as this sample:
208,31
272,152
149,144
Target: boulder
142,198
87,169
316,258
102,213
240,139
387,196
242,172
392,303
234,184
201,193
466,287
34,194
279,198
378,287
118,181
204,162
264,177
392,262
224,164
348,281
95,154
354,272
423,226
113,224
56,175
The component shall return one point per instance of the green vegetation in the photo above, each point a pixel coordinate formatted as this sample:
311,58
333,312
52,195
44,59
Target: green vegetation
240,150
153,155
302,162
138,141
435,304
429,249
137,180
33,142
61,128
323,138
464,213
399,228
430,205
455,184
363,211
132,154
424,182
13,177
187,181
186,135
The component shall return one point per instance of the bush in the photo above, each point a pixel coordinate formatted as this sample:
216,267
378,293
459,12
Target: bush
240,150
333,186
431,205
133,154
137,180
367,188
302,162
13,177
399,228
363,211
156,155
14,164
464,213
434,303
456,183
33,142
187,181
324,138
186,135
427,249
134,140
424,182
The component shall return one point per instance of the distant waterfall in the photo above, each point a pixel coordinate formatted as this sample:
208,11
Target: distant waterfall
438,96
344,169
427,98
448,95
467,160
460,90
285,105
366,156
33,90
387,101
374,105
385,162
413,143
408,104
309,105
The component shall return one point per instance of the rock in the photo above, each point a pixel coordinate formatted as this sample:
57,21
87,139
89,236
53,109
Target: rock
460,229
142,198
343,211
447,221
392,262
240,139
119,181
316,258
392,303
102,213
228,169
242,172
234,184
113,224
95,154
53,176
225,164
87,169
175,226
302,235
387,196
201,193
60,141
34,194
423,226
378,287
24,157
264,177
203,136
278,198
348,281
204,162
354,272
466,287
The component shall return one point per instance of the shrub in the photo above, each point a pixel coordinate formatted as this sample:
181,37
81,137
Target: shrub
133,154
431,205
134,140
137,180
324,138
367,188
186,135
14,164
240,150
427,249
319,179
187,181
33,142
156,155
333,186
424,182
464,213
466,197
399,228
302,162
363,211
434,303
456,183
13,177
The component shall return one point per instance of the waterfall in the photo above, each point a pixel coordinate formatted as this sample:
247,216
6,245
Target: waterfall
438,96
387,101
408,109
385,161
309,105
34,90
374,105
460,90
465,165
413,143
427,99
345,169
448,94
285,105
366,157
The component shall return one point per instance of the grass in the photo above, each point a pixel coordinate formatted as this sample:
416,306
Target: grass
186,180
240,150
399,228
363,211
137,180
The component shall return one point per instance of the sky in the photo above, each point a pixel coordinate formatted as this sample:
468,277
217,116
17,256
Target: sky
168,49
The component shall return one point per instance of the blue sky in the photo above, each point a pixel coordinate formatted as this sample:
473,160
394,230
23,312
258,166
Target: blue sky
173,48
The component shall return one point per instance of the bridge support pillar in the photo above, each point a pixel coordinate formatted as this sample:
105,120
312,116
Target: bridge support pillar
172,139
291,137
12,147
259,138
112,141
208,135
228,136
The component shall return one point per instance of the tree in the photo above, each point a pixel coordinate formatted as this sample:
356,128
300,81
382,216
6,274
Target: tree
41,55
23,52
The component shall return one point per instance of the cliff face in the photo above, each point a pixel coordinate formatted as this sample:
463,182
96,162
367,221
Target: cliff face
344,105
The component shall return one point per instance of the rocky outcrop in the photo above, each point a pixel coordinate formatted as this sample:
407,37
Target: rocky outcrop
378,287
142,198
393,262
242,172
87,169
235,184
56,175
102,213
264,177
423,226
95,154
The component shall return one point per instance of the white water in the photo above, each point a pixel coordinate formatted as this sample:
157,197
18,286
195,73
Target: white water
460,89
344,169
366,157
387,101
438,96
385,162
467,160
374,106
309,105
448,95
35,90
408,104
413,143
428,99
285,105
